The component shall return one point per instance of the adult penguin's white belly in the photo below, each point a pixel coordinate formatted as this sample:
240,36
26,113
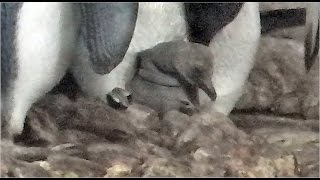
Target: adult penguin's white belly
156,22
44,39
234,49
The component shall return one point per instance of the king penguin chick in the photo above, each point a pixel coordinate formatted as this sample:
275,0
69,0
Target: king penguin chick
170,74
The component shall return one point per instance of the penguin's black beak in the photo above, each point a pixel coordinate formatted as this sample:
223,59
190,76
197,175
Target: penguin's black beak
208,88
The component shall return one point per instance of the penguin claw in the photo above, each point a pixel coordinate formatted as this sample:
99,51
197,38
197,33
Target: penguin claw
119,98
188,108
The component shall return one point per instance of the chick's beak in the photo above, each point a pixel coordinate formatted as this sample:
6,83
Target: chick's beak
208,88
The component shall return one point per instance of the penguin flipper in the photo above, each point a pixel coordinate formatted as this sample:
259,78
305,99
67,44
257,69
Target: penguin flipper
159,78
9,15
312,35
107,30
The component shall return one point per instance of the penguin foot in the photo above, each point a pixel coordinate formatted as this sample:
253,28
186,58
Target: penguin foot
10,130
119,98
187,108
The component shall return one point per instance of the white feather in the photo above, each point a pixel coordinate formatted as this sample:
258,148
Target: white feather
45,44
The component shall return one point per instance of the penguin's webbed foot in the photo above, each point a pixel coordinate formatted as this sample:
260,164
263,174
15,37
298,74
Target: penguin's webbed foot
119,98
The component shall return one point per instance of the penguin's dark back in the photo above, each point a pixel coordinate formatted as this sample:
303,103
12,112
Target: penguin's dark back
9,13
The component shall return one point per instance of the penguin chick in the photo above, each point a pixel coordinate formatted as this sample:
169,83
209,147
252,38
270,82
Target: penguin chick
169,75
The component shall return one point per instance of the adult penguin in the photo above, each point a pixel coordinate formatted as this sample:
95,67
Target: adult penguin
231,30
38,45
40,49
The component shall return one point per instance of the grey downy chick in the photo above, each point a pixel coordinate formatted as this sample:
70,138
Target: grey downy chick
169,75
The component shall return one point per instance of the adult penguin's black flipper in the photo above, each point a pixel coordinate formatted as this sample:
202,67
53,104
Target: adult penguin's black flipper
312,34
206,19
107,29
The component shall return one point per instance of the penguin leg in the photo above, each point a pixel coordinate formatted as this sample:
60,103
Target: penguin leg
44,45
234,48
187,107
119,98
